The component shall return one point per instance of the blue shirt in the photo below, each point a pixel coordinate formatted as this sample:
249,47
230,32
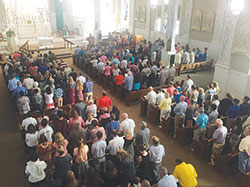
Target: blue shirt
88,86
42,69
113,125
81,52
12,85
77,50
176,98
233,111
180,108
98,149
167,181
16,93
115,61
128,82
58,93
202,121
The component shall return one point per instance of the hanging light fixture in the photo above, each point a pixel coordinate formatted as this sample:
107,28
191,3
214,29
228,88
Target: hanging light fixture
237,6
154,3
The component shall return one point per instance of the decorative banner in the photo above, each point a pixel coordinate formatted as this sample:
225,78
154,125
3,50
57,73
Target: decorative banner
125,13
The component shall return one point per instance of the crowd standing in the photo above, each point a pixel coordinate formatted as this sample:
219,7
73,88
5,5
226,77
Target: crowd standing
89,143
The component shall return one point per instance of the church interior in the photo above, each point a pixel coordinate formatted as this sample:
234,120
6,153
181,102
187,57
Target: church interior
125,93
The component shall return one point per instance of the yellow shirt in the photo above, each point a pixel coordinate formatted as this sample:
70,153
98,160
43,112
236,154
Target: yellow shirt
186,175
165,104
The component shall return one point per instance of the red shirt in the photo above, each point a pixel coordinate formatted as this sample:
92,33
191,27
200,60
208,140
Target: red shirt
119,79
170,90
104,102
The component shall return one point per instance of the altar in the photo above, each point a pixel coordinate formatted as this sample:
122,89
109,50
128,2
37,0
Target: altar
45,42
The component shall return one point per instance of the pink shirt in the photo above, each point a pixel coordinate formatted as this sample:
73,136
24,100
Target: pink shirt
72,122
55,146
107,70
170,90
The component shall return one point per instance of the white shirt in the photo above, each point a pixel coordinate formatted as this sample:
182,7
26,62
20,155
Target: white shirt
159,97
49,98
177,58
124,63
82,79
127,123
187,85
151,97
115,145
156,153
245,144
192,57
186,57
48,132
28,83
32,139
27,121
35,170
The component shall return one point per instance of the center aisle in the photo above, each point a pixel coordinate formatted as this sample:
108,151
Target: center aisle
207,176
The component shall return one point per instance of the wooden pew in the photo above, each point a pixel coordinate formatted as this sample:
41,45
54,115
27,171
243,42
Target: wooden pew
94,74
166,125
154,115
89,69
36,114
120,92
144,104
75,58
244,179
227,163
134,95
100,76
82,64
184,135
106,82
197,66
112,87
203,149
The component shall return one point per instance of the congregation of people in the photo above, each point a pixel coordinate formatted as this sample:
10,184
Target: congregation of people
222,122
90,143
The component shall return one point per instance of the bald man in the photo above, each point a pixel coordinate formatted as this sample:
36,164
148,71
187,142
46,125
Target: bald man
151,99
127,123
156,153
218,139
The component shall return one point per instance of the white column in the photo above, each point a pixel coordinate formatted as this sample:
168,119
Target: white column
171,24
185,27
131,15
222,66
171,31
97,17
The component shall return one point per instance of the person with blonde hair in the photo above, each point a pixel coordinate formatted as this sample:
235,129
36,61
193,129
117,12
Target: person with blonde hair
129,141
59,141
216,87
165,107
79,89
81,164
